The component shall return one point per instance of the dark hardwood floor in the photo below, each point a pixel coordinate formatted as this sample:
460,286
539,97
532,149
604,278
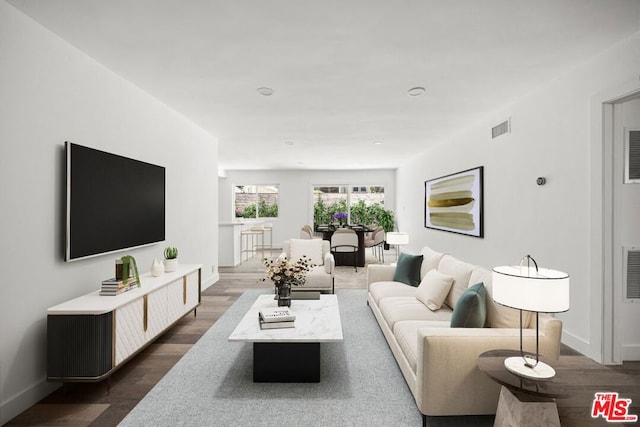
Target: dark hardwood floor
108,402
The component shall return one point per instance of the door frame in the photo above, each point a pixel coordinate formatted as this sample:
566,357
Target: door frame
604,338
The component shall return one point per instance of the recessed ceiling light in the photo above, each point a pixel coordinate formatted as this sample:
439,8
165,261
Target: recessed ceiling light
377,142
416,91
265,91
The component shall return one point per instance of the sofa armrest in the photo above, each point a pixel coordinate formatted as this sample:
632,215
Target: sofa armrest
447,365
329,263
380,273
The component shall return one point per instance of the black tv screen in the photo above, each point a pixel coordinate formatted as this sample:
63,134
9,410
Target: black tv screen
113,202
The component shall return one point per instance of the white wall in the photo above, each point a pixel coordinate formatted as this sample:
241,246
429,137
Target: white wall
50,92
555,223
294,194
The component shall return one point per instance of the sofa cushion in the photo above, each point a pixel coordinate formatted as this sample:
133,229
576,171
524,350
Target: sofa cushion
312,248
379,290
433,289
408,269
460,271
499,316
430,261
395,309
471,309
406,333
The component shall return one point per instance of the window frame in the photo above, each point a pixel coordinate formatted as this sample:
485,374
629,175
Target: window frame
256,203
349,191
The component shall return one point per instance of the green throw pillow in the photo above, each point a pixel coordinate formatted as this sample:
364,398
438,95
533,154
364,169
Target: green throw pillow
408,269
471,309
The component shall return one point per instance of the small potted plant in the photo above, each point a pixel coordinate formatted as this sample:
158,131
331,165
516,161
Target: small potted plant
127,270
387,220
170,259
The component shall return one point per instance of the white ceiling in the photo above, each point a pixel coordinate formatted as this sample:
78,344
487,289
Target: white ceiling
340,69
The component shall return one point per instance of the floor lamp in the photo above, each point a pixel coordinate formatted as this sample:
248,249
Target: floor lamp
540,290
397,239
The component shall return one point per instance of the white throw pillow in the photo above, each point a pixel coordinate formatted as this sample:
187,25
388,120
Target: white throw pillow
433,289
312,248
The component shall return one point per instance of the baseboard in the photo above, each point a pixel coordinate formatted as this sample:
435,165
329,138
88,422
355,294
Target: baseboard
23,401
580,345
208,281
631,352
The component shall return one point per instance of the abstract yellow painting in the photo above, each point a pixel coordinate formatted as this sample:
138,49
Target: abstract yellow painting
454,202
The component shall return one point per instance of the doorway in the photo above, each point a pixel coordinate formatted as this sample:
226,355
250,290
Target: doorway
621,337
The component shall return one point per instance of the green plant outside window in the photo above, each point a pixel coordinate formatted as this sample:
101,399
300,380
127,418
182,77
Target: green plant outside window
256,201
363,208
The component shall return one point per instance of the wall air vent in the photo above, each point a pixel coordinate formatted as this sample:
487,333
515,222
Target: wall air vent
632,274
632,156
501,129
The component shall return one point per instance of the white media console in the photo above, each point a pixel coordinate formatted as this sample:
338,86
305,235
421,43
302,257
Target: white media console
91,336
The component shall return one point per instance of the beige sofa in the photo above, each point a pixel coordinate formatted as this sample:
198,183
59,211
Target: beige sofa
439,363
321,276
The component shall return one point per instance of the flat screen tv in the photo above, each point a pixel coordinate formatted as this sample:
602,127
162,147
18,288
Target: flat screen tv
112,202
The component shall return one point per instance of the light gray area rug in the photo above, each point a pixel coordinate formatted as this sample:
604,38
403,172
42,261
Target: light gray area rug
361,384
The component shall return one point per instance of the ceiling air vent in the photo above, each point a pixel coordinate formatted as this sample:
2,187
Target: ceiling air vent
632,156
632,273
501,129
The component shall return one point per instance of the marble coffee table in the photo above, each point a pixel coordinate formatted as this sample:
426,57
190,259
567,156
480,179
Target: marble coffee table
290,354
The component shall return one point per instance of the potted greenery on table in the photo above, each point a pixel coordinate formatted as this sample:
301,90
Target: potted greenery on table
127,269
170,259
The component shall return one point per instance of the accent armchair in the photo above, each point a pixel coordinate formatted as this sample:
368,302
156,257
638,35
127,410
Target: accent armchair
321,277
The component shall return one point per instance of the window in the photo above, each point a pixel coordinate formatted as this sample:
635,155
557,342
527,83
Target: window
328,201
360,202
256,201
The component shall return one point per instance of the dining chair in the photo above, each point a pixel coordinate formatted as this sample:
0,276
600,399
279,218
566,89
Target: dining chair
306,232
345,242
376,243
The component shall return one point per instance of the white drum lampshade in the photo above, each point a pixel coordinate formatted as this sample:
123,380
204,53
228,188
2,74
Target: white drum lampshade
540,290
397,239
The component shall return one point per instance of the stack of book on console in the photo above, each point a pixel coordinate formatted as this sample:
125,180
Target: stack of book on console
114,286
275,318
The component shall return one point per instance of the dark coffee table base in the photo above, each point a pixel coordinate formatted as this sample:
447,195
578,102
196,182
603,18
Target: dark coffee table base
286,362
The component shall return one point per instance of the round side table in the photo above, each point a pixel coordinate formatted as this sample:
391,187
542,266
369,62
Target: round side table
523,401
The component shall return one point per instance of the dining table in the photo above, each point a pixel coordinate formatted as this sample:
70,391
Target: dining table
346,258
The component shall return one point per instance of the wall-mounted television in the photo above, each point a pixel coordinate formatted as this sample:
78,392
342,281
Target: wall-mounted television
112,202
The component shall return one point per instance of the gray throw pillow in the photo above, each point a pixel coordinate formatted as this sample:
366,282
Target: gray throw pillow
408,269
471,309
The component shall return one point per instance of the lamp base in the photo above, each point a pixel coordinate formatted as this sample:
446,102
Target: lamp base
517,366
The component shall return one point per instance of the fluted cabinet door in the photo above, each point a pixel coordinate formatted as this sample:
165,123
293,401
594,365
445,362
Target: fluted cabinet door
156,313
140,321
193,291
175,300
130,333
184,295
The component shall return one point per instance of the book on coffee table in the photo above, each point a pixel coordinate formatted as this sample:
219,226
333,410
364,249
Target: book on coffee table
276,325
272,314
